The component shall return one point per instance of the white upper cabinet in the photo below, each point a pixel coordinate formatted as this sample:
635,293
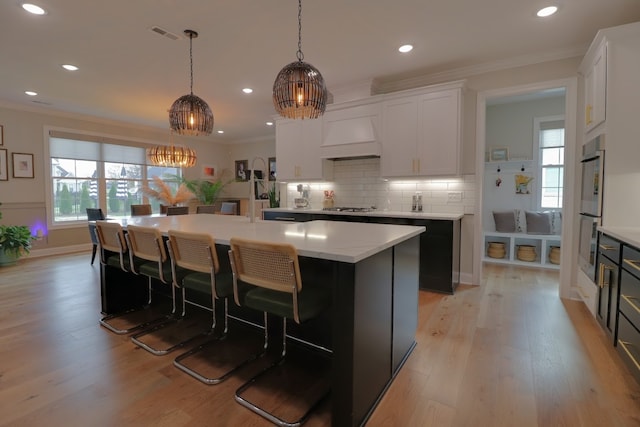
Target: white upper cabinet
298,150
422,133
351,130
595,87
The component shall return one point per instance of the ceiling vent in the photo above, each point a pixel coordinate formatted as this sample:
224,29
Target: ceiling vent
164,33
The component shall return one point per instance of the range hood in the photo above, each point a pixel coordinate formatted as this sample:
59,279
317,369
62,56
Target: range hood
351,133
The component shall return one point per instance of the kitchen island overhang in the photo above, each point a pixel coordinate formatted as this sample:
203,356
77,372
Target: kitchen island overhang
373,272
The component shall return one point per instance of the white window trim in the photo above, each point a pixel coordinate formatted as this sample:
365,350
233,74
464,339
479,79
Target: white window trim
47,168
536,155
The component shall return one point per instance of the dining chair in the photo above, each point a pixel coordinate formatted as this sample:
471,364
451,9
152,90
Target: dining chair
228,208
205,209
138,210
274,270
94,214
177,210
196,253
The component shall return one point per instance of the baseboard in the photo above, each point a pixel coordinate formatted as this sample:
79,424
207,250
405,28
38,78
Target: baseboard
60,250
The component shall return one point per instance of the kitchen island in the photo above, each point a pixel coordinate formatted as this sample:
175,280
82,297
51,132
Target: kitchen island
439,246
373,272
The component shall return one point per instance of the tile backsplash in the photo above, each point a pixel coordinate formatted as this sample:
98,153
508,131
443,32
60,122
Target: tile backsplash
357,183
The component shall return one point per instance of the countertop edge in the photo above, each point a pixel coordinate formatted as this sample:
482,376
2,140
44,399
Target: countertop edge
630,235
375,213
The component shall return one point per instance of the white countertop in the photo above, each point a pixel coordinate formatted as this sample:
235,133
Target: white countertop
630,235
377,213
332,240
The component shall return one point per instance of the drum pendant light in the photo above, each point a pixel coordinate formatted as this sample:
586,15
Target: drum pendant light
189,114
299,91
171,156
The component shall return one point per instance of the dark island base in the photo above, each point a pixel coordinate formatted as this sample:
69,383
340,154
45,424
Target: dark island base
370,328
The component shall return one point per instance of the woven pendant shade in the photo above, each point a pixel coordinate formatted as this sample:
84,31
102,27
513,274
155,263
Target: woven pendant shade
170,156
299,91
189,114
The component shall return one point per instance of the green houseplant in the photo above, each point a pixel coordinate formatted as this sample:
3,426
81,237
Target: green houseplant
15,241
206,191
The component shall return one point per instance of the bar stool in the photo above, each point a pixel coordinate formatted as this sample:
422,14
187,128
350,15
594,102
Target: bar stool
185,256
114,252
196,253
274,270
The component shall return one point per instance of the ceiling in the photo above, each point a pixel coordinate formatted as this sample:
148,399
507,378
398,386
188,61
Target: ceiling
131,74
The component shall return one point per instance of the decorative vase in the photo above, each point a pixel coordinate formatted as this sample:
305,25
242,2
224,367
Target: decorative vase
327,202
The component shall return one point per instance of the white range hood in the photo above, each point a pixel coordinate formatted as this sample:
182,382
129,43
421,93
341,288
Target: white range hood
351,131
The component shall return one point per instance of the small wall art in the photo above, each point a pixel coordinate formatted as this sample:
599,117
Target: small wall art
22,165
208,171
1,135
522,184
499,154
4,170
242,166
272,168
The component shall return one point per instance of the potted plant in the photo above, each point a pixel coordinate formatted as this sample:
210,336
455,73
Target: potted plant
205,190
15,241
274,196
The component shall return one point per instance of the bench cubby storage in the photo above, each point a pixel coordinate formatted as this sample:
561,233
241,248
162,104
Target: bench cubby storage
541,243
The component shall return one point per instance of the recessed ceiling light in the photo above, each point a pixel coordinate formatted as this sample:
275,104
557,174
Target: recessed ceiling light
32,8
269,123
247,90
547,11
70,67
405,48
30,92
220,131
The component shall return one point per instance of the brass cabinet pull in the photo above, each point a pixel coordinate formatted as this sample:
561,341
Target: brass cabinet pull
624,345
629,300
606,247
588,114
603,268
285,218
632,263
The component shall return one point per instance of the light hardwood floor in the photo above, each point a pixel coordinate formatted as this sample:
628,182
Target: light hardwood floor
507,353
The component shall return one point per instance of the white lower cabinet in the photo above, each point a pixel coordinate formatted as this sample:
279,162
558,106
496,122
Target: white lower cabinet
541,244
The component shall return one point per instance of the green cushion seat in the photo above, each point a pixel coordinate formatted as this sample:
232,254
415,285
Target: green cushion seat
312,300
151,269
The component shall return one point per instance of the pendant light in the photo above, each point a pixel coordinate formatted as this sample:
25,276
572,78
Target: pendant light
171,156
189,114
299,91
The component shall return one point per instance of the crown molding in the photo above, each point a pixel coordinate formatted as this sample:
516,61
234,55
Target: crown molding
383,86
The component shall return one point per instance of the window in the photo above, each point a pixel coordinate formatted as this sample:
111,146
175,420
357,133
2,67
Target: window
87,173
551,160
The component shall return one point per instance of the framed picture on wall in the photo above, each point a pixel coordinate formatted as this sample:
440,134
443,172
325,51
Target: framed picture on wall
208,171
1,135
499,154
242,166
22,165
272,168
4,171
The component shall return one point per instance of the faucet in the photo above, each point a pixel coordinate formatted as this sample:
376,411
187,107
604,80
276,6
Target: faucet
252,188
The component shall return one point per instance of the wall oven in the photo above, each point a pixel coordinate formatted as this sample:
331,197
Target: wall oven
591,203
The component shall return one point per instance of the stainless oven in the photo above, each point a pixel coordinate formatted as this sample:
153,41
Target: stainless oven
590,203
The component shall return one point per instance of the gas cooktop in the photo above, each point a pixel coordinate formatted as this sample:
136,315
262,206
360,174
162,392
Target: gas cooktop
347,209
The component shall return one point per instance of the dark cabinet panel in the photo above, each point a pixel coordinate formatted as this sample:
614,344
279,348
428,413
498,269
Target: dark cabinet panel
439,245
608,279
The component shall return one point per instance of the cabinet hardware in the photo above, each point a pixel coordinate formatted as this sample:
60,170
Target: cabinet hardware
624,345
606,247
285,218
631,303
632,263
588,114
603,268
